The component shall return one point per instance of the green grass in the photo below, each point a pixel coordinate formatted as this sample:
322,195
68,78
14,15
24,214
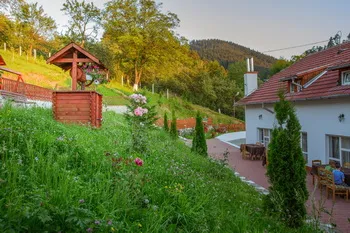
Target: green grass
68,178
36,72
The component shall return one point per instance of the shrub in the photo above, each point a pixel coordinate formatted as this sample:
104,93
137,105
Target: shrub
166,126
141,118
173,130
286,169
199,144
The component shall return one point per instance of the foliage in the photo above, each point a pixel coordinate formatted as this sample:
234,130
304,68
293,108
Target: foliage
84,17
56,177
141,32
279,65
286,169
166,125
173,127
141,118
228,52
199,144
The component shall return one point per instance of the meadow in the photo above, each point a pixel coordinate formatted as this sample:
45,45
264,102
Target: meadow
70,178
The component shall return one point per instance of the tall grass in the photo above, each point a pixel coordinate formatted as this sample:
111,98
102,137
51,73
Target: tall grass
69,178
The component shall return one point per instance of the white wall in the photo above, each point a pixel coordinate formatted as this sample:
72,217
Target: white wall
318,118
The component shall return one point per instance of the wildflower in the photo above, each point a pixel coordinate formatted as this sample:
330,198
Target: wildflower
138,162
138,111
89,229
109,222
97,222
36,159
81,201
20,161
60,138
146,201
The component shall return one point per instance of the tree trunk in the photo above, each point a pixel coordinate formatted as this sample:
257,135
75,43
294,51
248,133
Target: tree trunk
137,78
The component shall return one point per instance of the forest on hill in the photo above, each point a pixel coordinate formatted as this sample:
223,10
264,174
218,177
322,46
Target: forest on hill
138,44
226,52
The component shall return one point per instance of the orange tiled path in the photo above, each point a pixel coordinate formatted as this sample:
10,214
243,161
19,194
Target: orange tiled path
253,170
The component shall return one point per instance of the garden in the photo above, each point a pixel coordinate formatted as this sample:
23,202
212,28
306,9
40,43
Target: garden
70,178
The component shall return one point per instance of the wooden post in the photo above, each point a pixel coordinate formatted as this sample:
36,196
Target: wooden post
122,81
20,50
34,50
153,88
50,54
4,46
219,110
74,70
167,93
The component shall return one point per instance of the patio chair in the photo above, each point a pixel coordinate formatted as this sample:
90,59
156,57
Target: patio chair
346,165
322,178
245,153
315,163
336,189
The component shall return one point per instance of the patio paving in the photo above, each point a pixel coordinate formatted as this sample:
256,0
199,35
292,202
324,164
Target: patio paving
254,171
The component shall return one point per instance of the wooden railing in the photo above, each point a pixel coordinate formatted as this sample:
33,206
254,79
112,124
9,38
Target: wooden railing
32,92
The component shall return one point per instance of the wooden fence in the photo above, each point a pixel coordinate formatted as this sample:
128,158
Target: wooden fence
32,92
191,123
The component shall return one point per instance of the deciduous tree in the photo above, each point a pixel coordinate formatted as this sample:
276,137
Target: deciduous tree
142,32
83,20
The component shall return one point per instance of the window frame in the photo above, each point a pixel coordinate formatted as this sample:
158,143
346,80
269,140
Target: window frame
305,152
343,78
340,148
263,138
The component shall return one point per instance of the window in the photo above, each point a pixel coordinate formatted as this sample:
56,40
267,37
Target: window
339,148
345,80
264,136
303,142
298,86
291,87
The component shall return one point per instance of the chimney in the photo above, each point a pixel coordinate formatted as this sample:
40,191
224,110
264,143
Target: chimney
250,78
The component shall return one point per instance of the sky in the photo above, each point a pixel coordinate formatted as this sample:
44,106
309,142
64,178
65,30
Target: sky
262,25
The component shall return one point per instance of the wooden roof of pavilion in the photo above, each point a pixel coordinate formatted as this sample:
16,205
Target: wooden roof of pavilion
64,57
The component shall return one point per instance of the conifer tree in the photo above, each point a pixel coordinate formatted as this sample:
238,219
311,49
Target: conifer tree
199,144
286,169
173,130
166,126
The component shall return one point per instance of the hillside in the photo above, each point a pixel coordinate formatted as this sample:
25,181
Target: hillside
68,178
226,52
39,73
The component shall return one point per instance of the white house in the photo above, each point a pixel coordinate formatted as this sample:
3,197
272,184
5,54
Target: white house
319,87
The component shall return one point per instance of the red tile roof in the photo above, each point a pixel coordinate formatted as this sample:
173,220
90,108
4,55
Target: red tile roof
325,87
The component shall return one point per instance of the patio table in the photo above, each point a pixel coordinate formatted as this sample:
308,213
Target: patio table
256,150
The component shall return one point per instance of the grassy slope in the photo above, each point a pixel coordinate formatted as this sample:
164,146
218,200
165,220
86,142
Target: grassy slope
39,73
55,177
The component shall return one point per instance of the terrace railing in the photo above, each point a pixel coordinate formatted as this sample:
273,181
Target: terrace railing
32,92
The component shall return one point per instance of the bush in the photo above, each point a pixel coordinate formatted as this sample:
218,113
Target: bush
173,130
199,144
141,118
286,169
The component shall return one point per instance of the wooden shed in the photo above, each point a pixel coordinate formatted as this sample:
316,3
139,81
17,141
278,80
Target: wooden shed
83,107
76,106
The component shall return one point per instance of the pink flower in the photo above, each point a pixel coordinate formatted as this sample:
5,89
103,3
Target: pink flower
138,162
145,110
138,111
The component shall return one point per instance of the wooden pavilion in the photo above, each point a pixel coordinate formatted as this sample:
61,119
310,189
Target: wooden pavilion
77,106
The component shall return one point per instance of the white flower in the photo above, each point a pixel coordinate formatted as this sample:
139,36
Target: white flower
96,82
36,159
